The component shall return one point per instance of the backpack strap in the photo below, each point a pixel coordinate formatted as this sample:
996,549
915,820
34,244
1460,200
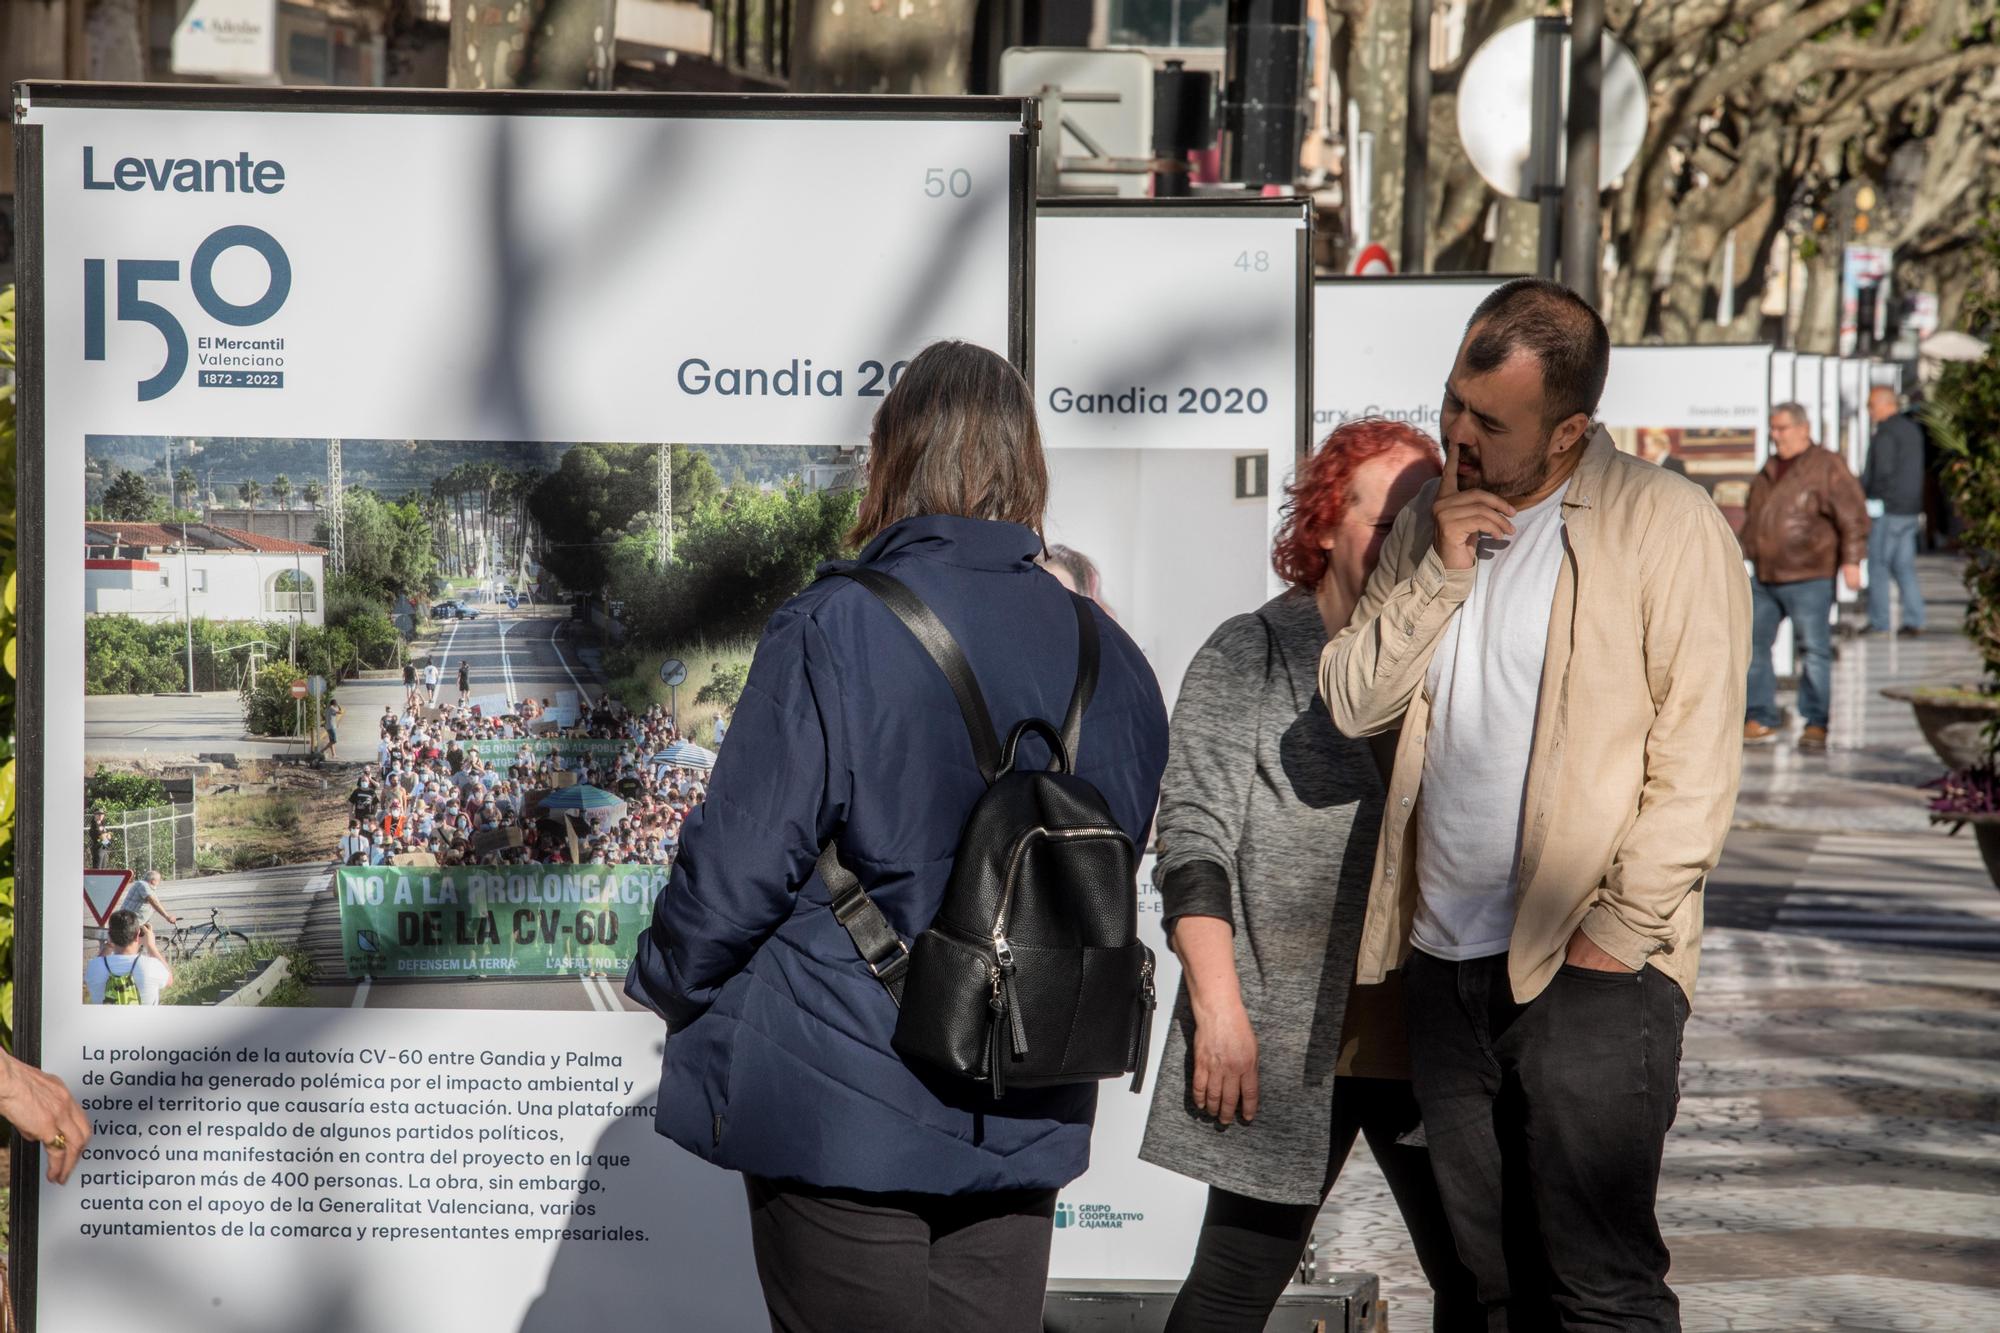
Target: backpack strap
1086,677
930,632
877,942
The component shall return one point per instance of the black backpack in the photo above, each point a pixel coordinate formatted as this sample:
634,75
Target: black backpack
1032,973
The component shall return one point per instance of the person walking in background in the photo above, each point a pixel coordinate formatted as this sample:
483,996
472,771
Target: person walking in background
1265,835
99,838
1806,519
464,680
1561,630
1893,478
884,1196
431,675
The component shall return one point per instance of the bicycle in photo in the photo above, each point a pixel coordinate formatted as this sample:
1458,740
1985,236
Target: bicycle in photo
209,937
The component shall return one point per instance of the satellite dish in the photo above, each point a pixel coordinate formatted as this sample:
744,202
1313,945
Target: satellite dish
1496,109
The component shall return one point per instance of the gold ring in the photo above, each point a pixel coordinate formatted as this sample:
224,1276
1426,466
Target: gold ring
58,1143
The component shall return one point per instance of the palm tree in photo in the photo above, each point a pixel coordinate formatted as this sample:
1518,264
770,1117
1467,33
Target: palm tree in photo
281,490
312,492
184,488
251,493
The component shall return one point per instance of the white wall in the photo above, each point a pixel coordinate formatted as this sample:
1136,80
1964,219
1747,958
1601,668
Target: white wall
237,586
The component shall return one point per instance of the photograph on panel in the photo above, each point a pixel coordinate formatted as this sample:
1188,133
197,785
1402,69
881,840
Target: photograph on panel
402,723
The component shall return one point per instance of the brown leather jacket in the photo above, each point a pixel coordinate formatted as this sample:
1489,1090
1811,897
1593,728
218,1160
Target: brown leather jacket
1807,524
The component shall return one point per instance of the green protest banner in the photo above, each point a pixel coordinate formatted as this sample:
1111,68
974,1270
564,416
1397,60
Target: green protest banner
503,752
493,921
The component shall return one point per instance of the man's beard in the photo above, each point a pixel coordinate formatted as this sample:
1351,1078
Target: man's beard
1527,479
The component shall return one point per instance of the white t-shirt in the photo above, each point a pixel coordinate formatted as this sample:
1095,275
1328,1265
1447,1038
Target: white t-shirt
152,974
1484,682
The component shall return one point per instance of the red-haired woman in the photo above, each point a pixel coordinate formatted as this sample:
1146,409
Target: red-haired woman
1266,834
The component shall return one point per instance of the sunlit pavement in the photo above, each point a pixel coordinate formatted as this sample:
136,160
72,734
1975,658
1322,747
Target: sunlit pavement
1836,1164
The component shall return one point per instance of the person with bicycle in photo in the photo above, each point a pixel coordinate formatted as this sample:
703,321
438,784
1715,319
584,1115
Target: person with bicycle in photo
141,899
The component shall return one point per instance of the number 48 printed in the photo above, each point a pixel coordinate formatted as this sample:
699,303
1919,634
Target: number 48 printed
1254,261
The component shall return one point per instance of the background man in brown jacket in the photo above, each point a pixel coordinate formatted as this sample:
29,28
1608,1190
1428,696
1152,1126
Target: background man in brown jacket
1806,515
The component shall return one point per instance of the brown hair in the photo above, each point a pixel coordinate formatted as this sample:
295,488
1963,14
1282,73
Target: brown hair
956,435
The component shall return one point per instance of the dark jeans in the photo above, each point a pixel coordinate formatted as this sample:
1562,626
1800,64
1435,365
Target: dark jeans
1249,1249
1892,561
1808,604
838,1261
1546,1122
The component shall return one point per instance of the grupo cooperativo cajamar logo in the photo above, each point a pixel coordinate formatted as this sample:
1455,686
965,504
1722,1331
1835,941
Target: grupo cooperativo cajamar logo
122,290
1096,1216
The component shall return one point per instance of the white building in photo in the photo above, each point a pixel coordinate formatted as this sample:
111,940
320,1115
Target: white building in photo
174,571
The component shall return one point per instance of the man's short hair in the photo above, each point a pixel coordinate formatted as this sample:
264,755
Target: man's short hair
152,877
124,928
1796,411
1558,328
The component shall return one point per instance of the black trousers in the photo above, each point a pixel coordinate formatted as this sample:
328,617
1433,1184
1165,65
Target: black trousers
841,1261
1249,1249
1546,1123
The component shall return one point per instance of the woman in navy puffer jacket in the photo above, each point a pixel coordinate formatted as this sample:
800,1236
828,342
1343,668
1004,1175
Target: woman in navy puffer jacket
884,1197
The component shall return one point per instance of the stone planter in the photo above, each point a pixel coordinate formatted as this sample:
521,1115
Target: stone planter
1986,831
1953,719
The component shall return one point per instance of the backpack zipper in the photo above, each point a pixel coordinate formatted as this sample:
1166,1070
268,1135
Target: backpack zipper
1146,1002
1004,1001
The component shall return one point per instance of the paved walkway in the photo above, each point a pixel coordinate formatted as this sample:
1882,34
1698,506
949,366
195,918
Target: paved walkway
1836,1164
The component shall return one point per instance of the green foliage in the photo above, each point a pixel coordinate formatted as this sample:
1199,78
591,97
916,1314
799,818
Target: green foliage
130,499
725,684
203,980
738,560
7,570
1963,414
268,706
388,543
604,493
124,655
377,645
121,791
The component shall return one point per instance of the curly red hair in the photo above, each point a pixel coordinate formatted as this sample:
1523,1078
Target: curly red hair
1318,496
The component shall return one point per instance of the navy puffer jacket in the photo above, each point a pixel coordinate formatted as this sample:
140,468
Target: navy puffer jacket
779,1061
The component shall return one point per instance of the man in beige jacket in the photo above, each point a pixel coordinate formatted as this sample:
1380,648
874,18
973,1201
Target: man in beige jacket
1561,631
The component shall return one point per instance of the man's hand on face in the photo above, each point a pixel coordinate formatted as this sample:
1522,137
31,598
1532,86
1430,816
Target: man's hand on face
1463,517
1583,952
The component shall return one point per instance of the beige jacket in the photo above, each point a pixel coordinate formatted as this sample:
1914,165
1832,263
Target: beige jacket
1639,728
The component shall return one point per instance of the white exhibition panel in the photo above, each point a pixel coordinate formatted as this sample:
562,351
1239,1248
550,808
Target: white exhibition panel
1155,393
1832,413
631,244
1784,371
394,228
1149,495
1383,347
1709,407
1854,410
1806,392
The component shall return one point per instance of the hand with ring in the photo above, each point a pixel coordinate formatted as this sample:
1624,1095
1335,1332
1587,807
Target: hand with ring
41,1109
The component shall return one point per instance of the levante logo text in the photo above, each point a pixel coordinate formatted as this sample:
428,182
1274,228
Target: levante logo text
186,175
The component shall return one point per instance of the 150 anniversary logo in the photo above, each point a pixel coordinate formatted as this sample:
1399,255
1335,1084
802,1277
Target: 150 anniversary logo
223,360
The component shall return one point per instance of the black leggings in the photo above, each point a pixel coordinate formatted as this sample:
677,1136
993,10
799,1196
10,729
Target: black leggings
1249,1249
